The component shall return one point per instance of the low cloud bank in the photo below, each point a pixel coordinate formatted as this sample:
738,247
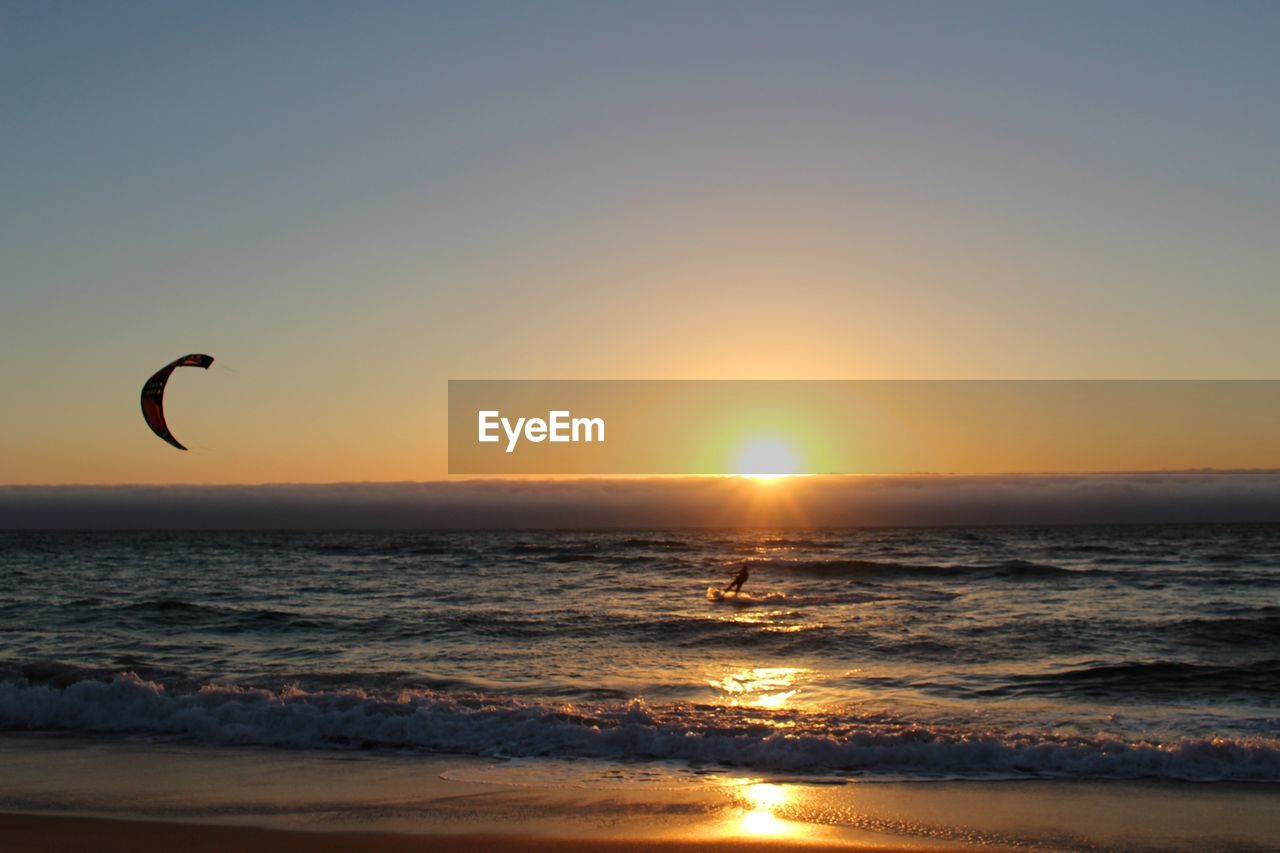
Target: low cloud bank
1247,496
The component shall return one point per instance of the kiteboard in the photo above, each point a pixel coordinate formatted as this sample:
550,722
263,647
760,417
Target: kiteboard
743,599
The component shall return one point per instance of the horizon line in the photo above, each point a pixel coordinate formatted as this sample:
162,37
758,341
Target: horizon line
464,479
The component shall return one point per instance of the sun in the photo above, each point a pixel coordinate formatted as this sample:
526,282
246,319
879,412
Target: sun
766,459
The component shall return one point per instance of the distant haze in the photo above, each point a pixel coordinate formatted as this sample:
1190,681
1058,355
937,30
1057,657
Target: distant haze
1252,496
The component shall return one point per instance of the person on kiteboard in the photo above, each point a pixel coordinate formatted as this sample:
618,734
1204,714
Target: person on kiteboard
739,579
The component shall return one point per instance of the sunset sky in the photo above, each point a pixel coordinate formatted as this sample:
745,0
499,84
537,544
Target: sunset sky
350,204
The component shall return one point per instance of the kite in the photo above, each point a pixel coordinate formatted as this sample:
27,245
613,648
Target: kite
153,394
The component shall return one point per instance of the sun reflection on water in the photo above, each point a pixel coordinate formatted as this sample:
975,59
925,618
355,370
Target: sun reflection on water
771,621
759,803
763,823
761,687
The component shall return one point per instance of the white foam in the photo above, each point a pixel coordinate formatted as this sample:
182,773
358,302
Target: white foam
486,726
744,599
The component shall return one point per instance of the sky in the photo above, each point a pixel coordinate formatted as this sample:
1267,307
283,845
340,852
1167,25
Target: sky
350,204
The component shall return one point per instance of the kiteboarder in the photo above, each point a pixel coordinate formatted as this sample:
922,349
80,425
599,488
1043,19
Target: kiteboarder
739,579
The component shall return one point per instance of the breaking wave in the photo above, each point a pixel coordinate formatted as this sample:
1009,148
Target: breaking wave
864,746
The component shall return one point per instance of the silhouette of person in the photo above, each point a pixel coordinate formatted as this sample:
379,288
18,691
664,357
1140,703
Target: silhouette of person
739,579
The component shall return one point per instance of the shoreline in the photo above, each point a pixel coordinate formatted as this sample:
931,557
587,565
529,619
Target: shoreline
116,793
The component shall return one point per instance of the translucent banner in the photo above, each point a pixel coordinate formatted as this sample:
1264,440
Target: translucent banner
778,428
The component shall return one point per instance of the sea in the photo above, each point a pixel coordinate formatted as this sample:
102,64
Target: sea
1104,652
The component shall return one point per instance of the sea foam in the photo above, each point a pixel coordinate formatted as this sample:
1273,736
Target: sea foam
865,747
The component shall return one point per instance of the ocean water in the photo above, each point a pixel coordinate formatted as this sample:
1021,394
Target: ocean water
878,654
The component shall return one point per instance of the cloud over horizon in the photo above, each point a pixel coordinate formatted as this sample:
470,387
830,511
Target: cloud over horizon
1210,496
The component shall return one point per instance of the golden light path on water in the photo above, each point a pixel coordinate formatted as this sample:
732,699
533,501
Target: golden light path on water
761,687
757,803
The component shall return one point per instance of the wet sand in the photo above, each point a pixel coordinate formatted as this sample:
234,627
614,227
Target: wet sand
62,792
48,833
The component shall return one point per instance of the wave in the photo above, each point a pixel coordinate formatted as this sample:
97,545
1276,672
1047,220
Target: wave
754,546
171,611
1228,633
503,727
556,553
392,549
573,551
1258,680
1012,569
473,623
163,605
652,544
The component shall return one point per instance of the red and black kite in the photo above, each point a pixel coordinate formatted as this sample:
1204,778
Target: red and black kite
153,394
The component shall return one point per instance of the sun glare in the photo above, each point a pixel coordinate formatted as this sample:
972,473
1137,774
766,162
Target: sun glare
766,460
759,803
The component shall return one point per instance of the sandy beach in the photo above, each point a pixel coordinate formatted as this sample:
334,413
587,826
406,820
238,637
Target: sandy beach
116,794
